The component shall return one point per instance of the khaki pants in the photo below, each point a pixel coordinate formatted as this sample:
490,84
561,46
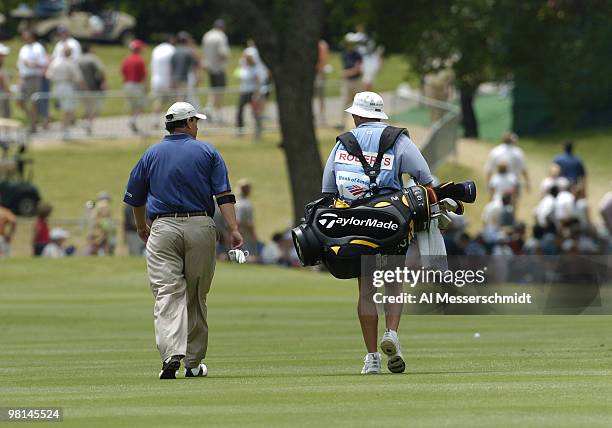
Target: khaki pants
181,264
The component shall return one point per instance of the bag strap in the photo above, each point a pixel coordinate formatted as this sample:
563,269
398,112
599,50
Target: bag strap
387,139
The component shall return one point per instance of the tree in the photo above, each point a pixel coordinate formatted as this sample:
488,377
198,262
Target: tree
286,33
432,33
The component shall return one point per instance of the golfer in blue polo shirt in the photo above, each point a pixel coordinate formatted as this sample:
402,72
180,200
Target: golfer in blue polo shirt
174,183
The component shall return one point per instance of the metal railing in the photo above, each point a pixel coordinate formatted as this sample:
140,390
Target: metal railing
441,139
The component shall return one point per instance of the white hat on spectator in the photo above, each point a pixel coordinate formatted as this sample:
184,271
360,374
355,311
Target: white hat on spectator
368,104
58,233
182,110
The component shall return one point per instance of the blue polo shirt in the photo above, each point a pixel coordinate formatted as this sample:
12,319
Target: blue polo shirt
571,166
180,174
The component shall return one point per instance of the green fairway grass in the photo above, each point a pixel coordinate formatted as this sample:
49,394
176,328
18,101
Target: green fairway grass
285,349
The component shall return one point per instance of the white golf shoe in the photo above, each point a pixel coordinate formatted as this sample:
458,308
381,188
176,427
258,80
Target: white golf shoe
199,371
371,364
390,345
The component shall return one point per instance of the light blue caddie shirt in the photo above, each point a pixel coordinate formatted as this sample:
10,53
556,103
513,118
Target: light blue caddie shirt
344,174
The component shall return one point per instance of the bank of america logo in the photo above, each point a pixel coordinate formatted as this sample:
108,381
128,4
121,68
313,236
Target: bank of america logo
355,190
328,220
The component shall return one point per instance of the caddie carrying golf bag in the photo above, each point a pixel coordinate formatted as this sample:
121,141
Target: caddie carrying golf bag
337,233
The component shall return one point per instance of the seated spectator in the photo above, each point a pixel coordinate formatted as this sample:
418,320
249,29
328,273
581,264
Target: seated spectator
55,249
271,253
41,228
497,214
554,179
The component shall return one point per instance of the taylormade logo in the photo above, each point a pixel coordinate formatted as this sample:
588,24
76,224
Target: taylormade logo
328,220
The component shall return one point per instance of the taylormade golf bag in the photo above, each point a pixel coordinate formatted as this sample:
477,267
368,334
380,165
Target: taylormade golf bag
337,234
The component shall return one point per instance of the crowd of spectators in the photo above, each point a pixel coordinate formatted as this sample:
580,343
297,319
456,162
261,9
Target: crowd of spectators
562,224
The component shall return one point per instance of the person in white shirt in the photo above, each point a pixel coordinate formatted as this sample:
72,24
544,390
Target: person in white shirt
507,152
216,55
565,207
55,248
66,40
554,179
31,63
67,78
545,210
503,182
161,74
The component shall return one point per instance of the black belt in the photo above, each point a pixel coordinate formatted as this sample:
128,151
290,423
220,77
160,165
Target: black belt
176,215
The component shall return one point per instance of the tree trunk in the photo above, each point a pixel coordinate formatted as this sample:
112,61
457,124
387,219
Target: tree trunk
286,34
468,120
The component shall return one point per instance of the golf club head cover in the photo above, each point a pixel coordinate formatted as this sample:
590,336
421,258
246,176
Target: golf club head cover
464,191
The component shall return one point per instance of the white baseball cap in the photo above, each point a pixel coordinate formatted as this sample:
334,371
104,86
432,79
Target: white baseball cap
368,104
182,110
58,233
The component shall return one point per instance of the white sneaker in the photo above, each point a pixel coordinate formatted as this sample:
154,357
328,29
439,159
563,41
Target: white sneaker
371,364
390,345
199,371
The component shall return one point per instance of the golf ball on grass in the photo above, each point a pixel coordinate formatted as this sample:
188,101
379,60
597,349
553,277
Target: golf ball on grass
476,335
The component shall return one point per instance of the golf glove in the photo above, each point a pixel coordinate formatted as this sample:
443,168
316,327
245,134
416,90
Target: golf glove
239,256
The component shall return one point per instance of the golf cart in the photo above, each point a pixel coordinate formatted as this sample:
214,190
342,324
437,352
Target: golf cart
17,192
48,15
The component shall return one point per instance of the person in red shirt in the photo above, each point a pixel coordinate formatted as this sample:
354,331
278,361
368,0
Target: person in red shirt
134,73
41,228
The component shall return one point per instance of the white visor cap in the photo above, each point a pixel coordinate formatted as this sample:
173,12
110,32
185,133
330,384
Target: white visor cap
368,104
182,110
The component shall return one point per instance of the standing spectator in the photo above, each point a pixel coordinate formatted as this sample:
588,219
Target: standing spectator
351,74
249,94
8,224
262,75
571,166
244,215
135,245
507,152
134,73
94,79
183,62
161,75
5,92
194,76
216,55
31,62
372,57
565,208
66,41
545,210
41,228
66,77
42,105
503,182
320,78
56,249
